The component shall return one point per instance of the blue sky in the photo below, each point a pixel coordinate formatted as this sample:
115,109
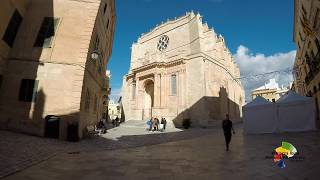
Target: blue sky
257,32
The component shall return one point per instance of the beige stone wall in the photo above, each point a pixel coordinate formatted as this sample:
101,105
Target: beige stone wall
6,10
64,70
202,65
307,38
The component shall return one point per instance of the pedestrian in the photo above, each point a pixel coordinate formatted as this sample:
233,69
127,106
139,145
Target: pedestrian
113,122
149,124
154,124
117,121
158,122
164,123
227,127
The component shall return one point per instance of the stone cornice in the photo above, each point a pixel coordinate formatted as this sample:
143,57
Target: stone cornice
156,65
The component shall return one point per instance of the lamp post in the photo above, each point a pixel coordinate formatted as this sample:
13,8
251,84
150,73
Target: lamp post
96,55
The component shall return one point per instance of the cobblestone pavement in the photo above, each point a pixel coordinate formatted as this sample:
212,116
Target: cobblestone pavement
193,154
19,151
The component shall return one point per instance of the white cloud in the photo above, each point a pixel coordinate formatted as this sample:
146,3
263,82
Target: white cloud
252,64
115,94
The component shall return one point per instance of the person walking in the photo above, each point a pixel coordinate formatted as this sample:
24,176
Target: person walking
113,122
117,121
149,124
154,124
157,123
164,123
227,127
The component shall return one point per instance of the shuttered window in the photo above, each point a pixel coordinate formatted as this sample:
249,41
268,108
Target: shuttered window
46,32
12,29
28,90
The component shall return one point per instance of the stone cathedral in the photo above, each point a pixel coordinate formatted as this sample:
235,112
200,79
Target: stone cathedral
180,70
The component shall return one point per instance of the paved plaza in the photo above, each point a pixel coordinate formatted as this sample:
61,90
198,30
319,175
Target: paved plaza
131,152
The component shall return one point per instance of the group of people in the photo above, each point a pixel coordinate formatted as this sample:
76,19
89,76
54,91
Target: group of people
115,122
154,124
102,126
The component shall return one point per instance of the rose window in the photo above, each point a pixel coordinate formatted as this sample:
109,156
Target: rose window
163,43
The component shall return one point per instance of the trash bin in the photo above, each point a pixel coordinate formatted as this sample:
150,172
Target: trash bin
72,134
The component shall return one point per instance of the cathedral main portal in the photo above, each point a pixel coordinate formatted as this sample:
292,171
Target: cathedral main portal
148,99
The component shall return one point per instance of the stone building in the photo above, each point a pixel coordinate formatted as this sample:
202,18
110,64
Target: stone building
114,110
182,69
47,67
307,36
270,91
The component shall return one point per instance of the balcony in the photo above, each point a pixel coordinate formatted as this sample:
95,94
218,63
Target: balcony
314,65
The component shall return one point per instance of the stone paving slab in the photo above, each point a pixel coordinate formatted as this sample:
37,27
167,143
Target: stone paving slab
193,154
19,151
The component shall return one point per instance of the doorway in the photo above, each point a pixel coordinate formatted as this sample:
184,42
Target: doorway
148,99
52,126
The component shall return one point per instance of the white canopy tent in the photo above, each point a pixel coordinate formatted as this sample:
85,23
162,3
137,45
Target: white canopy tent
291,113
259,116
296,113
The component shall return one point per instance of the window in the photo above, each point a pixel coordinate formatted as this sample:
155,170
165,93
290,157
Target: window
105,8
173,84
46,32
316,19
12,29
273,100
28,90
87,101
108,23
96,43
316,41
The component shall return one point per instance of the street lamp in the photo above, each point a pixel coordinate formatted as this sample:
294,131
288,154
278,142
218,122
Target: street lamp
95,55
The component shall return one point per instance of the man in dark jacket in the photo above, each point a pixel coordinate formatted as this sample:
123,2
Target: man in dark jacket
227,127
164,123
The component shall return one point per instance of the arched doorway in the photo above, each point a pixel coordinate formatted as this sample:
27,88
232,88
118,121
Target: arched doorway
148,99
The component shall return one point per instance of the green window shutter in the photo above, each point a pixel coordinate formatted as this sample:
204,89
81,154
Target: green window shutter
35,91
46,32
28,88
12,29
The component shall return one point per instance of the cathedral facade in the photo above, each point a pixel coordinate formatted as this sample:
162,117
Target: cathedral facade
181,70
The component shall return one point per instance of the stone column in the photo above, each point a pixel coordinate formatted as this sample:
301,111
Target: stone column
162,91
157,90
